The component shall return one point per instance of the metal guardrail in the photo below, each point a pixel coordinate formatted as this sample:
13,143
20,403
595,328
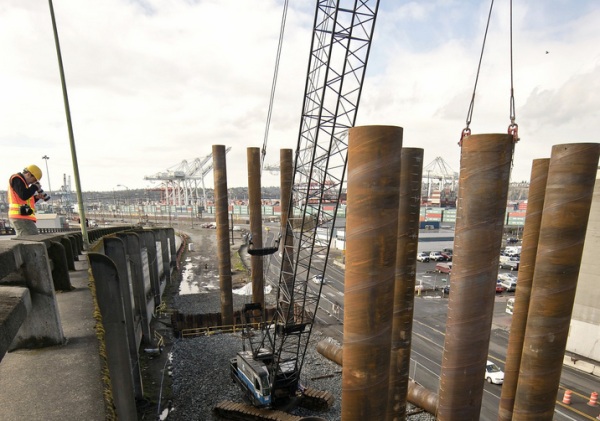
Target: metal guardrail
212,330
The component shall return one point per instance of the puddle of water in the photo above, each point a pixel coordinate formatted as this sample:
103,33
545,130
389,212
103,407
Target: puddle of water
247,289
191,283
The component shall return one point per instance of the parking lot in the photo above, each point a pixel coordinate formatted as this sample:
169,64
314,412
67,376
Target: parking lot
430,280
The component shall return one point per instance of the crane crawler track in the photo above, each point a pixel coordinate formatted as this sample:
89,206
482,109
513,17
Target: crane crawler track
313,399
316,400
242,412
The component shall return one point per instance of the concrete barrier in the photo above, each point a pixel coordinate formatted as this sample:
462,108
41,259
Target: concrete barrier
31,318
32,268
15,305
130,271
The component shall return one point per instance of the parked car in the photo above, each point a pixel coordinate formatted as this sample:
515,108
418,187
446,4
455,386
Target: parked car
512,251
493,373
318,279
512,240
423,256
447,253
436,256
510,286
444,267
507,277
446,289
499,287
509,264
5,228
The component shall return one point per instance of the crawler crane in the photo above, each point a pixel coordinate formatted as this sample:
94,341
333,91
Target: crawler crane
268,370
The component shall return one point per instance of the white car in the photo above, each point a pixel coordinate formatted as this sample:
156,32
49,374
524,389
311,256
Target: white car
436,256
423,256
493,374
509,286
318,279
507,277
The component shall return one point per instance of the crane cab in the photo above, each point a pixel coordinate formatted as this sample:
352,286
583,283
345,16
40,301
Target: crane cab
253,378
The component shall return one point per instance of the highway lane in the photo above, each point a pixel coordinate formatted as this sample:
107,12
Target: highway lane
428,341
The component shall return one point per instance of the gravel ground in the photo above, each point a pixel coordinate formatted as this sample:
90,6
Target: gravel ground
199,367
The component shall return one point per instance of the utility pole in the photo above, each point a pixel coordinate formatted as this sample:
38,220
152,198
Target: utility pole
84,234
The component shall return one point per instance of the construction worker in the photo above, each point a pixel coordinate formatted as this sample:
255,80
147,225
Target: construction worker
24,190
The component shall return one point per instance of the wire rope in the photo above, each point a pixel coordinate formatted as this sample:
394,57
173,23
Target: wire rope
513,128
274,84
467,131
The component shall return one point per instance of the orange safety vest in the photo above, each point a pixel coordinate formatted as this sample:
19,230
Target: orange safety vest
15,202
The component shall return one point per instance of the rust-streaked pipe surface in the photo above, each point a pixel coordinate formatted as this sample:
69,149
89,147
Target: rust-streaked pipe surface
411,170
569,191
531,234
286,176
421,397
372,227
255,208
483,189
417,394
331,351
222,220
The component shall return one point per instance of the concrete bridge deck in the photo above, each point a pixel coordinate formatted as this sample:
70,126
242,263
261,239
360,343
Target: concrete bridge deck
59,382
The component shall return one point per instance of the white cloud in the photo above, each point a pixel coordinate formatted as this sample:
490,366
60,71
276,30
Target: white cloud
157,82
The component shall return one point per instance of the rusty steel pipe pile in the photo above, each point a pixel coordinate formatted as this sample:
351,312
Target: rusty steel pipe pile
255,208
222,220
483,190
569,191
372,226
411,170
531,234
331,351
416,394
286,177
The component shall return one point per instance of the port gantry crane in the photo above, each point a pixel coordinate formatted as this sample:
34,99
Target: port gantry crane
269,373
181,180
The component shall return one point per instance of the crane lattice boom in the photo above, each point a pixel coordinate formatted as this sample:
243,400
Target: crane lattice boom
339,53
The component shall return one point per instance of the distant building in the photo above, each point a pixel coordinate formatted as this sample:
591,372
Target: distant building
584,333
50,220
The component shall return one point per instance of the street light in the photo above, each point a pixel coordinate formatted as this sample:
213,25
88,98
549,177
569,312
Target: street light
46,158
128,202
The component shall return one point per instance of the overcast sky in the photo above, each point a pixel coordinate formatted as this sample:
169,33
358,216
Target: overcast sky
152,83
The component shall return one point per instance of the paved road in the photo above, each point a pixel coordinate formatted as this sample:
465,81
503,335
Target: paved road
428,340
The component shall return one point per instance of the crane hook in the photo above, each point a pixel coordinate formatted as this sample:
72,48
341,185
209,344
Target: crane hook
465,133
513,130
